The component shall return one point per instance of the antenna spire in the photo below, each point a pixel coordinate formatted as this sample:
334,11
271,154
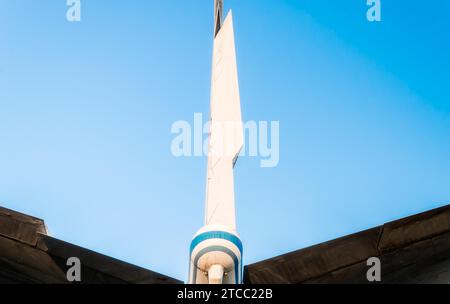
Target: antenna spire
218,16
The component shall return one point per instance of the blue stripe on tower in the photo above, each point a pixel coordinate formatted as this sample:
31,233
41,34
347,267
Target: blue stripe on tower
217,235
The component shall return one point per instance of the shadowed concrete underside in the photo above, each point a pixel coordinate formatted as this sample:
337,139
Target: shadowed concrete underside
415,249
29,255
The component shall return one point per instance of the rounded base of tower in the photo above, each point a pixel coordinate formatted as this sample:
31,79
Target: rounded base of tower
213,250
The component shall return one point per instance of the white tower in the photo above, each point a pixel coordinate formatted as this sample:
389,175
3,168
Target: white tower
216,249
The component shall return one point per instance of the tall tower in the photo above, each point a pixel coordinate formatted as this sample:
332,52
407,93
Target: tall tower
216,249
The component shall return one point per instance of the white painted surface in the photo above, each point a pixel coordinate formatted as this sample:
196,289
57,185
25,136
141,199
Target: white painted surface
226,134
218,260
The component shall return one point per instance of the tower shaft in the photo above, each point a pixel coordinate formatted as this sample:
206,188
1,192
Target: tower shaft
216,250
226,134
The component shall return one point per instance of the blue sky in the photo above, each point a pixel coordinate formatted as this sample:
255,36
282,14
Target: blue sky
86,110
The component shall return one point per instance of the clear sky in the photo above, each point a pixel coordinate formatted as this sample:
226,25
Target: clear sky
86,110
